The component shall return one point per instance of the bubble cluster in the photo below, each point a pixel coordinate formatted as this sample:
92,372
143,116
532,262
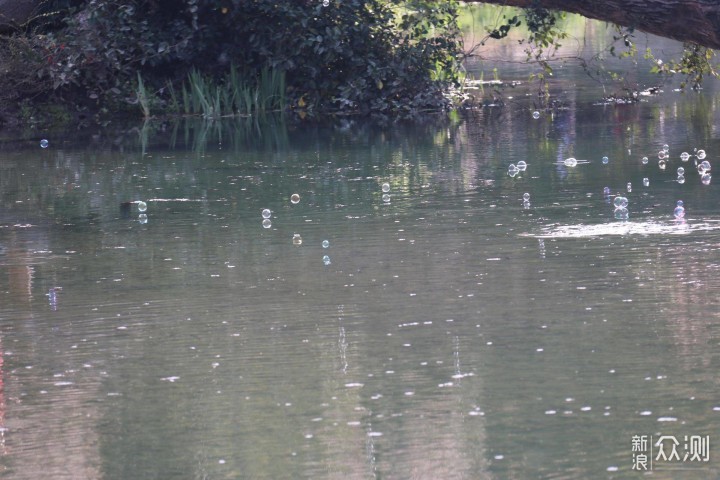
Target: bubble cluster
266,213
44,143
294,198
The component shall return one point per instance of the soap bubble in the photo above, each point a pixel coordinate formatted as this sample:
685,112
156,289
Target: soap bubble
512,168
700,154
684,156
605,160
325,244
620,202
680,203
679,212
522,165
385,187
621,213
536,115
645,160
680,171
661,164
629,187
44,143
526,196
142,206
297,239
143,218
704,167
326,3
606,191
666,148
662,155
646,182
526,204
266,213
386,198
681,179
295,198
706,178
266,223
570,162
326,259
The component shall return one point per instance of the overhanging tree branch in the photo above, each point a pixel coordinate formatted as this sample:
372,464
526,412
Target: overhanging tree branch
695,21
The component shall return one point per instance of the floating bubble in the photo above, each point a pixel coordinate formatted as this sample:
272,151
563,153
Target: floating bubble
512,168
570,162
142,206
629,187
522,165
704,167
536,115
680,171
326,260
266,213
662,154
295,198
385,187
661,164
620,202
297,239
666,148
645,160
700,154
526,204
44,143
325,244
684,156
605,160
143,218
646,182
386,198
266,223
326,3
680,203
706,178
681,179
606,191
621,213
679,212
526,196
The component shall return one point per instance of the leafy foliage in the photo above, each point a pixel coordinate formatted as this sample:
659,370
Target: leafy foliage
348,55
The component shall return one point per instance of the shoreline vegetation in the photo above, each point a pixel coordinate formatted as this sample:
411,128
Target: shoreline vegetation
95,61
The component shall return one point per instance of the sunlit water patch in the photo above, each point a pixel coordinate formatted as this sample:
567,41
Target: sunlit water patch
624,228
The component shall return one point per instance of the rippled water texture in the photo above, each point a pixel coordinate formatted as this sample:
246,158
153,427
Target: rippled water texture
449,328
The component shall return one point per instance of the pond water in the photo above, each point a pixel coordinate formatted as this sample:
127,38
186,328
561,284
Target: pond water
447,329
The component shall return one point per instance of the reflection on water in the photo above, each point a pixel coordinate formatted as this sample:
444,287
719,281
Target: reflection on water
453,329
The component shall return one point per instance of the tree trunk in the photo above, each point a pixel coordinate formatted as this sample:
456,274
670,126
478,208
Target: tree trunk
14,13
696,21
